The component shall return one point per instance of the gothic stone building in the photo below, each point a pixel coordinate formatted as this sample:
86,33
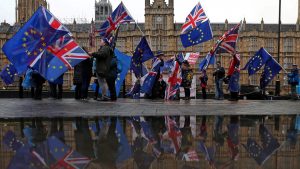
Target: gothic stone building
163,34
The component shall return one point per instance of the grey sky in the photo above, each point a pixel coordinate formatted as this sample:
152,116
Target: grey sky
216,10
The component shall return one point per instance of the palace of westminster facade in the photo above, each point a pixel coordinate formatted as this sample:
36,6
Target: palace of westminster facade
163,34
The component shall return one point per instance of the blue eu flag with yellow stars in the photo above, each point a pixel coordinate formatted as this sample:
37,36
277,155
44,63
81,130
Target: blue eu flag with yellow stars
124,60
124,150
8,74
141,54
257,61
31,40
256,151
272,68
199,34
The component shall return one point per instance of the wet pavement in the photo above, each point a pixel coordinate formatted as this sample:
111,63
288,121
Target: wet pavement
16,108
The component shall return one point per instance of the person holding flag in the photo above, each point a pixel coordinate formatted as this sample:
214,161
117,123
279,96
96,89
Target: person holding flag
103,60
233,76
203,83
219,75
187,78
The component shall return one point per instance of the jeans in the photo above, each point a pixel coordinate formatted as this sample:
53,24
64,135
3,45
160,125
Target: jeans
102,85
219,89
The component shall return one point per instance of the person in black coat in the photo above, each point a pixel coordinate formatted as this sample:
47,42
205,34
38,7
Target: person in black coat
86,74
38,82
77,81
156,86
187,78
103,61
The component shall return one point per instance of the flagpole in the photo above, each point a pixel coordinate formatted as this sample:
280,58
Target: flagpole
277,85
139,29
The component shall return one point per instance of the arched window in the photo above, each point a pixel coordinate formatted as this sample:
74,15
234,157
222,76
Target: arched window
106,10
101,10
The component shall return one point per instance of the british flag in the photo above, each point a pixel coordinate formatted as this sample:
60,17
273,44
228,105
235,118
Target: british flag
194,19
174,81
59,58
65,156
191,156
173,133
53,21
120,15
227,42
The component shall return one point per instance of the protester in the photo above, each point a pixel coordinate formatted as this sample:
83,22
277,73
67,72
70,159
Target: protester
187,77
219,75
294,81
77,81
86,74
234,86
112,76
103,61
203,83
161,88
233,77
58,83
38,82
156,85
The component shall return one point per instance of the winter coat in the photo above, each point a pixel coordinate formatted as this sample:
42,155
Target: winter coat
86,67
103,60
294,77
77,78
187,78
203,81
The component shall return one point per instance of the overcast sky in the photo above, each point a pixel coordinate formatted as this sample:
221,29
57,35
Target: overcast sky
216,10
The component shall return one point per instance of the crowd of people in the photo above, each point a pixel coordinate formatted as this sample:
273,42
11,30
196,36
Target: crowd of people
102,65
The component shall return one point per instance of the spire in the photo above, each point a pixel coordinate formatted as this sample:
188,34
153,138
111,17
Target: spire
226,24
244,24
262,24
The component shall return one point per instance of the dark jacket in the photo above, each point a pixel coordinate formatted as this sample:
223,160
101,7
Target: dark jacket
77,78
219,73
103,60
203,81
86,67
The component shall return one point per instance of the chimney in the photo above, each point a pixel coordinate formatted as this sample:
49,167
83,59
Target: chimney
244,24
262,24
226,24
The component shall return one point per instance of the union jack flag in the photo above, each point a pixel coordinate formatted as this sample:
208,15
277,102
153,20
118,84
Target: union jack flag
174,81
191,156
60,57
194,19
174,133
65,156
53,21
227,42
120,15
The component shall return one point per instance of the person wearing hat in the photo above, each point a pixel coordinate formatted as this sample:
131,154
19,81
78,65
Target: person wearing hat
103,60
156,86
294,81
187,77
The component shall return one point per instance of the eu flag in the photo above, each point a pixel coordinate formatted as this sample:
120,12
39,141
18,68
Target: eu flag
8,74
257,61
141,54
255,151
150,77
124,151
125,62
269,143
272,68
200,34
31,40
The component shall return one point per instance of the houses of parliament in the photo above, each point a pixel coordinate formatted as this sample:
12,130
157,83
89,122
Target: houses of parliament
163,34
